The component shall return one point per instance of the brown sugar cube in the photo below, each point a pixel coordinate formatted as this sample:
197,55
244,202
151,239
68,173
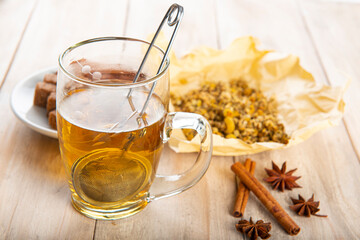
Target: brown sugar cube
42,91
52,119
50,78
51,102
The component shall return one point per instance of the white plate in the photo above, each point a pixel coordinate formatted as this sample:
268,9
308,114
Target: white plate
22,98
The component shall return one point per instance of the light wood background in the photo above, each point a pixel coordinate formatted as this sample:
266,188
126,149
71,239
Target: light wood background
34,197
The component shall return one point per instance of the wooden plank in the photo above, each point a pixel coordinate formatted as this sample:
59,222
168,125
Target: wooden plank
326,161
17,15
197,27
35,199
202,212
335,30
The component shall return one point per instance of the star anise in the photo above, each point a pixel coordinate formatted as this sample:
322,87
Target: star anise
281,180
254,230
306,208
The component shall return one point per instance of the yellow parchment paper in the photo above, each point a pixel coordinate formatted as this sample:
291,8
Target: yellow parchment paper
304,106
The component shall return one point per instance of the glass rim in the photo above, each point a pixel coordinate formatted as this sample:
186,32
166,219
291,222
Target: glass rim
100,39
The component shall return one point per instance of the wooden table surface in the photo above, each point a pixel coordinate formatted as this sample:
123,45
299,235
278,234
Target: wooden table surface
34,197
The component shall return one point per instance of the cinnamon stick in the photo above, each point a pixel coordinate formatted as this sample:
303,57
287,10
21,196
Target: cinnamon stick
266,198
247,191
241,193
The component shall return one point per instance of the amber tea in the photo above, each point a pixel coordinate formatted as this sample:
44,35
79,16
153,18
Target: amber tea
114,157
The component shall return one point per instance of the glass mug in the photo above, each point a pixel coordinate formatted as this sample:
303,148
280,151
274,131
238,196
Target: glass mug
110,150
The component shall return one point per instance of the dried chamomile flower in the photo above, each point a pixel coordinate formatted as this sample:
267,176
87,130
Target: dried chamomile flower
235,110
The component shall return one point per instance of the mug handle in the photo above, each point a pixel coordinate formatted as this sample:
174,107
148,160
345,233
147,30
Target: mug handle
166,186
